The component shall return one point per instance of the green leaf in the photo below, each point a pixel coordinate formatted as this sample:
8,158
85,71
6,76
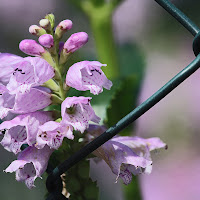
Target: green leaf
132,61
132,191
123,102
125,98
53,107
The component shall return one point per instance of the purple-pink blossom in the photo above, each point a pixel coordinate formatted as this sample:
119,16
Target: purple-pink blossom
52,133
21,103
30,72
30,164
126,155
23,129
77,111
7,64
87,75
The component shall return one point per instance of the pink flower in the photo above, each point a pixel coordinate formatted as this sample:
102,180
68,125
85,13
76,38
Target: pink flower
21,103
52,134
76,41
30,72
7,63
77,111
87,75
126,155
22,130
31,47
30,164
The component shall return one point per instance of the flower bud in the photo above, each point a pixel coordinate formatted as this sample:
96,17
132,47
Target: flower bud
31,47
75,42
36,30
46,40
51,18
45,23
62,27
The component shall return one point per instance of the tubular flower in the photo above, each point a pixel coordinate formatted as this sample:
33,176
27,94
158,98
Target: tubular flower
7,64
30,72
77,111
30,164
52,134
87,75
19,103
22,130
127,155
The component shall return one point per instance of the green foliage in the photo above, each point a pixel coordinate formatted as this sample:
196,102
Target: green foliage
112,105
77,180
125,98
132,191
79,185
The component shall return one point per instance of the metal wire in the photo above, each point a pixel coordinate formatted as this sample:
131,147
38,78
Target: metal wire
179,16
53,177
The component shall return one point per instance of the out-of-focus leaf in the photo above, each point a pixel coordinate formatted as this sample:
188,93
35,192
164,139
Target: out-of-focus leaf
125,98
132,191
131,61
123,102
53,107
77,181
102,102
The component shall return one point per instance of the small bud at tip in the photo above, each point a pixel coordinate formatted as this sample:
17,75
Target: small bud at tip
33,29
44,23
36,30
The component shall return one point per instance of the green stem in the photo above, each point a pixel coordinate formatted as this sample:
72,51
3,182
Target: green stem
101,23
60,80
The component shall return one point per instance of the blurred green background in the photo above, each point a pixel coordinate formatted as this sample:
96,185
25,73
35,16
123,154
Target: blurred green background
145,36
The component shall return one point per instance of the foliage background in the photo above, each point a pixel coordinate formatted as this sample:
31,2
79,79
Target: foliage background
166,47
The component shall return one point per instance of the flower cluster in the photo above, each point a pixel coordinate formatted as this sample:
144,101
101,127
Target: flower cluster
28,86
